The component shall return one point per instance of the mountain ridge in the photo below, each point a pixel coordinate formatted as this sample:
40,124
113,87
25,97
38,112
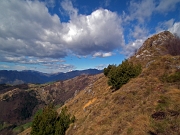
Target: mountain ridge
30,76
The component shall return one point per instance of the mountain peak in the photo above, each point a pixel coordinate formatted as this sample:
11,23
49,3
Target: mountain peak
163,43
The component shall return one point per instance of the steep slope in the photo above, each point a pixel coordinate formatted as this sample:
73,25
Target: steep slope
148,104
61,91
19,103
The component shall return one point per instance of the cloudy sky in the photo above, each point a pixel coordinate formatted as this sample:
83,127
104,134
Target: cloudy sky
63,35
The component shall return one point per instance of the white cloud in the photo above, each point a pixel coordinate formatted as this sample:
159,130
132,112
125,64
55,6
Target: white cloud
144,9
50,3
30,31
28,60
164,25
139,32
101,66
59,67
132,47
140,11
84,36
18,68
167,5
175,28
68,7
4,66
100,54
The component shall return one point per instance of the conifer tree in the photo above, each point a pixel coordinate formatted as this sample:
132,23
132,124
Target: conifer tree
121,74
50,123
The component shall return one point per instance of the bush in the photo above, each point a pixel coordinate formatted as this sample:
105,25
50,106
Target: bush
121,74
50,123
63,122
107,70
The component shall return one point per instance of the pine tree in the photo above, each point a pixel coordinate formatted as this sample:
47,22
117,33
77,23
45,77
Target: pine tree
121,74
50,123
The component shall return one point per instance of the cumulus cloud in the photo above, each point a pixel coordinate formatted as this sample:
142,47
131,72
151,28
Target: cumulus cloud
29,30
68,7
84,36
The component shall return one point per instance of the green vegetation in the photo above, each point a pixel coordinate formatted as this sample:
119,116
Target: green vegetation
21,128
120,75
171,78
50,123
107,70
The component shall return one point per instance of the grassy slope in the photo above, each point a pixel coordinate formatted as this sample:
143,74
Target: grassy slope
142,106
133,109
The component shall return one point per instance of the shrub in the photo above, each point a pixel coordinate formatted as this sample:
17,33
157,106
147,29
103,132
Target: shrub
121,74
63,122
107,70
50,123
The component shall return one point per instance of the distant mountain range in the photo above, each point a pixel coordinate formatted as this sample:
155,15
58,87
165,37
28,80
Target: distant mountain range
30,76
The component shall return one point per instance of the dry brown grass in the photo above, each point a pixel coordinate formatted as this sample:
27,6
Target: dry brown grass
128,110
25,132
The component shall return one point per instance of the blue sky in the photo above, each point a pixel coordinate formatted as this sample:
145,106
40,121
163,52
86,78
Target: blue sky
63,35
